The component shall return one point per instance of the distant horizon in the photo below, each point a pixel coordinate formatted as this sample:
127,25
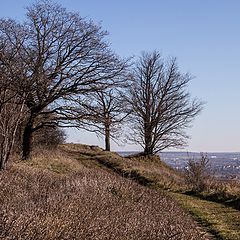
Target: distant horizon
83,137
174,151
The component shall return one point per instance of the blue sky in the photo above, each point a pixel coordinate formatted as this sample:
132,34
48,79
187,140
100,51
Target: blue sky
203,35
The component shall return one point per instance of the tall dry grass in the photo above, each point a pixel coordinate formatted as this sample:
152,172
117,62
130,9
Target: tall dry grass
39,203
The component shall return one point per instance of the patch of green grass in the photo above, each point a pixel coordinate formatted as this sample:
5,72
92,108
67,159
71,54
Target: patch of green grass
223,222
218,197
58,168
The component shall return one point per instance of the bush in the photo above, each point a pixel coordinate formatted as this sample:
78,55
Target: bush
197,173
49,137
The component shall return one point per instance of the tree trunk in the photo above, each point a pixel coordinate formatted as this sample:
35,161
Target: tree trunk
2,165
148,149
27,140
107,138
2,153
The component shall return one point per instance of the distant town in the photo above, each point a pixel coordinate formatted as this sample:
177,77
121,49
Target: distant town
224,165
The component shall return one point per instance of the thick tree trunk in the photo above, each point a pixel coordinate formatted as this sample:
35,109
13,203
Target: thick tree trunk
107,138
27,140
148,150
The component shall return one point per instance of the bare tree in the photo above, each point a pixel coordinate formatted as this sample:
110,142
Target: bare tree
161,106
103,113
11,115
54,54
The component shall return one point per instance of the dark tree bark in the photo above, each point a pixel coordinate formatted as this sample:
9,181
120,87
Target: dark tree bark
161,106
107,138
27,139
148,149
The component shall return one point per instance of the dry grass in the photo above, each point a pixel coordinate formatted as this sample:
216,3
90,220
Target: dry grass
154,173
36,202
162,175
53,160
153,170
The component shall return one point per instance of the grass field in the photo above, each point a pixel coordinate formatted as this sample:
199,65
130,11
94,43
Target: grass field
82,192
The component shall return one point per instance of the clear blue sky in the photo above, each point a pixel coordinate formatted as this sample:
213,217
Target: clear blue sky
204,35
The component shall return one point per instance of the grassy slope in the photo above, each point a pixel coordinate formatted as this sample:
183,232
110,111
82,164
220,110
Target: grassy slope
68,194
218,219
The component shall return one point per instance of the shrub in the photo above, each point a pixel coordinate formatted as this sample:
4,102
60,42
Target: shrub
49,137
197,173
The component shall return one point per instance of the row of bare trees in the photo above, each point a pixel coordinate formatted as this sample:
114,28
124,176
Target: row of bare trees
57,69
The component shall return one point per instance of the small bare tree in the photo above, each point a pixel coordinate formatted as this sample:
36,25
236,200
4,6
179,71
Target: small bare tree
161,106
103,113
54,54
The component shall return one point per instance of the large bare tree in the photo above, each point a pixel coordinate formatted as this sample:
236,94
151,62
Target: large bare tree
52,55
161,105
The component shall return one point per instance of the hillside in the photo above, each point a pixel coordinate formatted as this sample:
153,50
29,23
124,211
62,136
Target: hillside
76,192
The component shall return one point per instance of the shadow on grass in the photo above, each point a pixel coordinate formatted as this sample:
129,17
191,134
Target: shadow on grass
131,174
218,198
207,225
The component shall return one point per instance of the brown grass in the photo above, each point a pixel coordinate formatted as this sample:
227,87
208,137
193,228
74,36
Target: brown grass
55,160
76,202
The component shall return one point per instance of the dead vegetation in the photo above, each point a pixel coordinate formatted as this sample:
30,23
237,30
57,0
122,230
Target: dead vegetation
38,202
202,183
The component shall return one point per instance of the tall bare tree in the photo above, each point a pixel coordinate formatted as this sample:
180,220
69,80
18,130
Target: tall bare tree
161,105
54,54
12,109
11,115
